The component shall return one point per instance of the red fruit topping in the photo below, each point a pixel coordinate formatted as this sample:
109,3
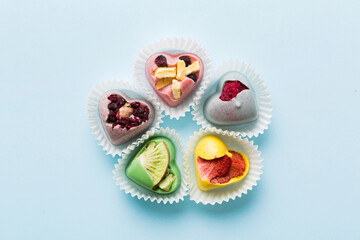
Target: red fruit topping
232,89
217,167
112,106
238,165
220,170
161,61
140,113
111,119
121,101
186,59
113,98
193,76
135,104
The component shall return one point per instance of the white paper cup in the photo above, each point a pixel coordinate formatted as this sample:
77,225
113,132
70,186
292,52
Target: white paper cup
141,193
172,45
95,120
232,191
253,128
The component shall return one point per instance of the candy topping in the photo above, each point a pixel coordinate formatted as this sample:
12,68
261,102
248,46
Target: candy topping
161,61
124,114
232,89
186,59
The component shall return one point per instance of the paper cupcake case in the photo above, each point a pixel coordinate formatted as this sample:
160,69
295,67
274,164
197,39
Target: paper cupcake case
231,192
262,96
95,120
172,45
135,190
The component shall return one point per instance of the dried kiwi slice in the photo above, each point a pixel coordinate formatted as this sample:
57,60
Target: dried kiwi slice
166,183
155,159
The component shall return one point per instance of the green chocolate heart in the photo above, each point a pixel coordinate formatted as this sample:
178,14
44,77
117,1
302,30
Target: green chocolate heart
138,174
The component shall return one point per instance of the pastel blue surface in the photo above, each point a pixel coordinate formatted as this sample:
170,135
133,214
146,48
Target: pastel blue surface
56,182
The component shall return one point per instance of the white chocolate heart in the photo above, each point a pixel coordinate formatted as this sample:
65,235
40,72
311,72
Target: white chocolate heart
240,109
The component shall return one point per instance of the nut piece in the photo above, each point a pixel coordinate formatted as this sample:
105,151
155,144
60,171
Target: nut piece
125,111
194,67
180,75
163,82
165,72
176,89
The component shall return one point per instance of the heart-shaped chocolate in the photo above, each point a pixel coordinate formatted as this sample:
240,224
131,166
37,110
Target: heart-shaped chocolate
124,118
216,165
154,167
174,76
233,102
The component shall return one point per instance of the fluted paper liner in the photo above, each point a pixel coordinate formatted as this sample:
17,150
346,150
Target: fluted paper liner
253,128
95,120
141,193
232,191
172,45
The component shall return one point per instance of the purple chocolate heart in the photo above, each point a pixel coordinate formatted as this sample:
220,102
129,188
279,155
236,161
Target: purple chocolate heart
124,118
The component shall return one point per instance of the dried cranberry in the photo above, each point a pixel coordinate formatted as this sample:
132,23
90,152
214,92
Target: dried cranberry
113,98
124,121
112,106
121,102
186,59
193,76
141,112
112,113
135,104
111,119
161,61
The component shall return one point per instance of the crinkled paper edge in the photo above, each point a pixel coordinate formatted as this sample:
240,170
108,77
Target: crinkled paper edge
181,44
135,190
231,192
262,95
95,121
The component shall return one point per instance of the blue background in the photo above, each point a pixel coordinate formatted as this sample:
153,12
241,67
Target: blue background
56,182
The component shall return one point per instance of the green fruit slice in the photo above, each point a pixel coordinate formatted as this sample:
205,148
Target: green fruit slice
155,159
166,183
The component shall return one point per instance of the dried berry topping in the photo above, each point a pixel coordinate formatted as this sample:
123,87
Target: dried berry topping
232,89
112,106
161,61
193,76
111,119
140,113
113,98
186,59
112,113
135,104
121,101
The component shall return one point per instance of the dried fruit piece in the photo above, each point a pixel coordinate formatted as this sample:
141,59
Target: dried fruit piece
166,183
176,89
238,167
165,72
161,61
194,67
232,89
111,119
156,161
163,82
186,59
193,76
180,67
125,111
218,167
